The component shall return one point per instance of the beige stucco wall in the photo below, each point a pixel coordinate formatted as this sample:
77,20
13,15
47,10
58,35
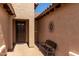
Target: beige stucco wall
4,27
66,28
26,11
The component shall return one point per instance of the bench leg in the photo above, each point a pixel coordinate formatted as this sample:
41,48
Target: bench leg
50,54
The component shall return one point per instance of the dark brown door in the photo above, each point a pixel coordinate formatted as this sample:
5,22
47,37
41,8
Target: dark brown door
20,32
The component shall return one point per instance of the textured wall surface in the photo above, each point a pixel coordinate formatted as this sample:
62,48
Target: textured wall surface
66,28
26,11
4,27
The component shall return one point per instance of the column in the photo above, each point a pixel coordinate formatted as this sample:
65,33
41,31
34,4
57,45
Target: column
31,33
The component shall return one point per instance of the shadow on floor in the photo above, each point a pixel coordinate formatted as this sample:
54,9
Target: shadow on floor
37,44
10,50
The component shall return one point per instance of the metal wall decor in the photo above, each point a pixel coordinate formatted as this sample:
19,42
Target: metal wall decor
51,26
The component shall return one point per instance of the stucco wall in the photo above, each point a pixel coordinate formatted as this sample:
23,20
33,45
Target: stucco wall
4,27
26,11
66,28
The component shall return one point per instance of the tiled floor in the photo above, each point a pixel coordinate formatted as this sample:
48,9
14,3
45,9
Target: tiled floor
24,50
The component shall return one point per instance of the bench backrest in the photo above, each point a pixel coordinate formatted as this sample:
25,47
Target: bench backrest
51,43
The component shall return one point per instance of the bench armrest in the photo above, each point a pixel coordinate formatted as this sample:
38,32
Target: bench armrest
3,50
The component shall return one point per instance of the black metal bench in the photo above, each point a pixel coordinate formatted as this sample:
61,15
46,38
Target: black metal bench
48,48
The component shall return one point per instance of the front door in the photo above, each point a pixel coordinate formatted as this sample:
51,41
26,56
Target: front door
20,32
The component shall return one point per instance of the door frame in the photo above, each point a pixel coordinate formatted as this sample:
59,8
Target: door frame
27,30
